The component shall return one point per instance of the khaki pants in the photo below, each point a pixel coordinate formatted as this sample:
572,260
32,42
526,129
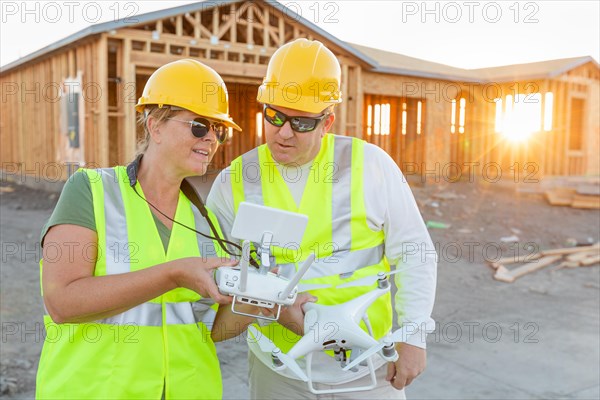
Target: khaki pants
266,384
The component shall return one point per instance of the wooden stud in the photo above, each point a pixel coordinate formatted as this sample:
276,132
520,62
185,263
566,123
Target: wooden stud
102,80
566,264
281,31
584,201
344,106
504,275
359,104
570,250
266,27
233,27
511,260
583,255
586,262
179,25
215,22
21,118
250,26
128,84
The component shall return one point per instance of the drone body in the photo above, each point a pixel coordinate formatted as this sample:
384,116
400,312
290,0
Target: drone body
328,327
337,328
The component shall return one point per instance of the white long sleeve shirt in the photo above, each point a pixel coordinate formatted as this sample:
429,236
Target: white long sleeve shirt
391,207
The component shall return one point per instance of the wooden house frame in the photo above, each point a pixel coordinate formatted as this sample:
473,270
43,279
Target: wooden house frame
72,103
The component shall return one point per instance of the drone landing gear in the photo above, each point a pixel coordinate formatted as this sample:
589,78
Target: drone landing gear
340,390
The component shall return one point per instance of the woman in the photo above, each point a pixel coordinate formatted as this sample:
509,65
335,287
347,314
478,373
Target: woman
122,261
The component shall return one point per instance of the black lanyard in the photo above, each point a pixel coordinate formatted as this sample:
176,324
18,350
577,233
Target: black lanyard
190,192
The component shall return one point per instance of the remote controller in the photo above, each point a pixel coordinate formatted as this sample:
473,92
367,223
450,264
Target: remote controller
262,290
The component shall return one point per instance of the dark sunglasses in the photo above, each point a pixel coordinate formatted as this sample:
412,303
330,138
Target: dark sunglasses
298,124
201,126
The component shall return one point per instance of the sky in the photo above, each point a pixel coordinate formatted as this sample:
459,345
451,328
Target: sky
466,34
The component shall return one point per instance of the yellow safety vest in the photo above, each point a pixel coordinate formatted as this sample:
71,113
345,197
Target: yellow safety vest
153,349
345,247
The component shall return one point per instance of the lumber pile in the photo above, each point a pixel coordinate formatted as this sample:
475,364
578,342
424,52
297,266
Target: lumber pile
571,257
586,201
584,197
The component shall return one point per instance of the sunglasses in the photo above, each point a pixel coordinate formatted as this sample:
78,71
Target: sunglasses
298,124
201,126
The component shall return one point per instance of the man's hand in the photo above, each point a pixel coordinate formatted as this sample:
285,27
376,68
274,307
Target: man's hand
411,362
292,317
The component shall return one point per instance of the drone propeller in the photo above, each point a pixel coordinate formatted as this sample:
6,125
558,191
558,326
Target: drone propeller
264,342
289,362
368,280
364,356
268,346
397,336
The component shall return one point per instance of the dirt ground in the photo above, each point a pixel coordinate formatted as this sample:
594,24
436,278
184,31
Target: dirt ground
535,338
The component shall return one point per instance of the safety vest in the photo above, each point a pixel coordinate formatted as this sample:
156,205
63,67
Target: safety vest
346,248
152,349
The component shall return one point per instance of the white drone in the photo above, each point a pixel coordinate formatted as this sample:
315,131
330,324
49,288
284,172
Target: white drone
347,335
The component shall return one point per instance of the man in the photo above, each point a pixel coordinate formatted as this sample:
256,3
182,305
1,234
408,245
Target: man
362,219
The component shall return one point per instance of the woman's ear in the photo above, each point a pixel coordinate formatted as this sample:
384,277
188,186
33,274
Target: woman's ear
153,126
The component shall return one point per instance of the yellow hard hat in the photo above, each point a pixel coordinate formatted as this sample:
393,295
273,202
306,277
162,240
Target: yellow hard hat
191,85
303,75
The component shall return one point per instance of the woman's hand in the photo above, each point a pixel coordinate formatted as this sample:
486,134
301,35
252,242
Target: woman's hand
72,294
197,274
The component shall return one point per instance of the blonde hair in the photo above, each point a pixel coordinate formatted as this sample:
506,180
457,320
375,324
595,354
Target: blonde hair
160,114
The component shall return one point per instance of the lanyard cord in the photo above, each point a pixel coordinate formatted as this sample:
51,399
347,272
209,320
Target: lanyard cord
192,195
204,213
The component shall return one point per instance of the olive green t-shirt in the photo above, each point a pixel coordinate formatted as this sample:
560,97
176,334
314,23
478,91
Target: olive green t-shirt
75,207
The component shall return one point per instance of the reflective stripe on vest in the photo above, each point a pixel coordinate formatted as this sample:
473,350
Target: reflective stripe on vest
150,314
116,223
343,263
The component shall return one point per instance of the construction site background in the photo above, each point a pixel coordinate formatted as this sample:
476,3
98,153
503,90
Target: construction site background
534,338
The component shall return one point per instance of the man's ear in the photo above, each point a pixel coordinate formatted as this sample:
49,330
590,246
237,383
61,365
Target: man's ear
328,123
154,129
